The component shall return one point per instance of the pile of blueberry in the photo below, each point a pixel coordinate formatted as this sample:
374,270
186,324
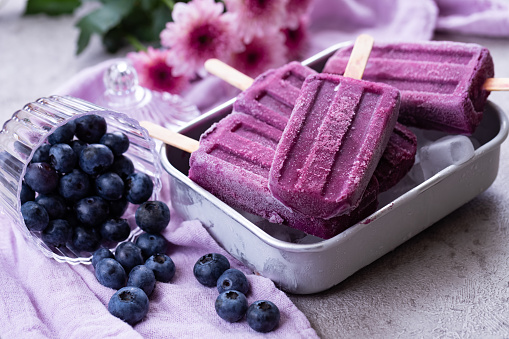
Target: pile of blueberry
78,185
135,267
213,269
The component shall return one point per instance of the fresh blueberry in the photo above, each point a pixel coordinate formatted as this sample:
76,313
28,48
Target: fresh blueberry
110,273
35,216
263,316
139,187
41,154
128,255
41,177
85,239
129,304
54,204
95,159
118,207
109,186
163,267
90,128
151,244
152,216
101,254
57,233
123,166
118,142
92,211
143,277
115,230
63,134
78,146
209,268
233,279
62,158
74,186
26,194
231,305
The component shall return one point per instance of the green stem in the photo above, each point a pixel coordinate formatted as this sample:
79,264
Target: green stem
136,43
169,3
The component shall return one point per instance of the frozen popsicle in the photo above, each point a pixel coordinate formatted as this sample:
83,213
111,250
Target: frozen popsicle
441,83
332,143
233,163
271,98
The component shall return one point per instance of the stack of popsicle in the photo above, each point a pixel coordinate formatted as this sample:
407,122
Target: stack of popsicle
320,164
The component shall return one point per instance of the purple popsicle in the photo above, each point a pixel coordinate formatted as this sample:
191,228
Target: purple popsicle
441,82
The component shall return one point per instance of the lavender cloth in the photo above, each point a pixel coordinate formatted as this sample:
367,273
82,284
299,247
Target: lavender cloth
43,298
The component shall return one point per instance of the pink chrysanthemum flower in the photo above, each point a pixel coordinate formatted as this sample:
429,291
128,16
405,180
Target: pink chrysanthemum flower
257,17
200,31
296,41
154,73
295,10
260,54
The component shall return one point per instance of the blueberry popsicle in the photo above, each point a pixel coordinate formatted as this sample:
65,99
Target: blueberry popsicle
442,84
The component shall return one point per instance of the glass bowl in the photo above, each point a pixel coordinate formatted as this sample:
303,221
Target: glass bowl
28,129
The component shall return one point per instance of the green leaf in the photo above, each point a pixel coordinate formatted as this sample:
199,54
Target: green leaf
51,7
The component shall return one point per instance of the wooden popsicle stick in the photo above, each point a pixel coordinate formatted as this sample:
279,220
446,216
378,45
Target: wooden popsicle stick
228,74
170,137
496,84
359,57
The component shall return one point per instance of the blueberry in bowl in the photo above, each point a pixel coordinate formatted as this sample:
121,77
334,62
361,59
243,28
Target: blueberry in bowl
43,154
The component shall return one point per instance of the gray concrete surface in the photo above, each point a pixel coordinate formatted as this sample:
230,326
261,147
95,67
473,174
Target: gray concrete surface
450,281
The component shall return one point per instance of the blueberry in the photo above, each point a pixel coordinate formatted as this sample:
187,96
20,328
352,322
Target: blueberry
152,216
151,244
143,277
74,186
62,158
162,266
78,146
54,204
231,305
95,159
92,211
118,207
129,304
233,279
35,216
209,268
123,166
26,194
90,128
109,186
128,255
110,273
118,142
101,254
63,134
85,239
57,233
41,177
41,154
139,187
262,316
115,230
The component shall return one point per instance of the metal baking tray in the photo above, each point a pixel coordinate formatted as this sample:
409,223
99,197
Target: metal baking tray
303,264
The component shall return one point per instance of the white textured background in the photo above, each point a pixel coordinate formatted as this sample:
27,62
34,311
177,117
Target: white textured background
450,281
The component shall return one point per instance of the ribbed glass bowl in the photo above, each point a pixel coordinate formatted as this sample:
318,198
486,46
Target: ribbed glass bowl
28,129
